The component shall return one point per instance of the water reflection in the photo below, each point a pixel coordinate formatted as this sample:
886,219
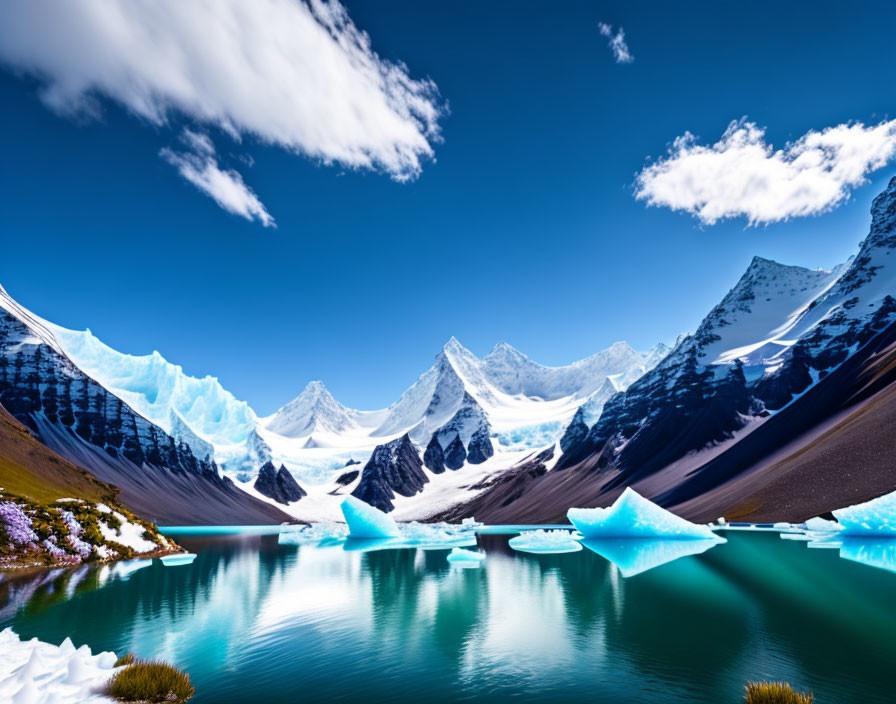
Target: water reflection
879,552
293,623
636,555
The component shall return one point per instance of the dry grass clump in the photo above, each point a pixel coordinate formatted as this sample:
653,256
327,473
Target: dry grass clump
126,659
775,693
151,682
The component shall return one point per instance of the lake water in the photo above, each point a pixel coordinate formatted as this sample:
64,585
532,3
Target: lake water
255,621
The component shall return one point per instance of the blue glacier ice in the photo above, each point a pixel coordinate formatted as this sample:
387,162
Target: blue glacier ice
636,555
366,521
545,542
633,516
873,518
200,412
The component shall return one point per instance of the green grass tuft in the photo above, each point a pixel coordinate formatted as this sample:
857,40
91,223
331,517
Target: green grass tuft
775,693
151,682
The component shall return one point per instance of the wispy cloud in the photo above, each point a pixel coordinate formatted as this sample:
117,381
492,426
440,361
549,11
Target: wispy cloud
742,175
297,74
617,44
199,165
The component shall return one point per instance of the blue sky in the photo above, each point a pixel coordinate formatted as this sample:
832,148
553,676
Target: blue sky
524,227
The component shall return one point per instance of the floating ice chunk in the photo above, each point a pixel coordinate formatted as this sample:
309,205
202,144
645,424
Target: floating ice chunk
633,516
873,518
466,558
633,555
366,521
545,542
436,536
880,552
178,559
822,525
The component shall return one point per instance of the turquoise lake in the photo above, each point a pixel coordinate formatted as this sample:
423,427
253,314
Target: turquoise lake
255,621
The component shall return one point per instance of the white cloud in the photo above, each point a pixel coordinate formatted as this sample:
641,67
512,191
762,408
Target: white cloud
742,175
293,73
617,43
200,167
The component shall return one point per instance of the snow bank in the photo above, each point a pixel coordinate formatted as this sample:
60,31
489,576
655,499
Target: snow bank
32,672
545,542
366,521
633,516
129,534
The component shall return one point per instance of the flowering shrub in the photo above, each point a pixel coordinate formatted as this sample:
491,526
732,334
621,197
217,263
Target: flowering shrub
74,534
17,524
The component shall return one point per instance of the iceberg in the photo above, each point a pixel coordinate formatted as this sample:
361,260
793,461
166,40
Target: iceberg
633,555
366,521
544,542
465,558
875,518
633,516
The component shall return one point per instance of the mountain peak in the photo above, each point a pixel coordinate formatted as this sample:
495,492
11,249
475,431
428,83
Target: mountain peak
504,350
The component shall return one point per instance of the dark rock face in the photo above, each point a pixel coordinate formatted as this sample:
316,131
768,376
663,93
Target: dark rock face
160,478
455,454
575,432
351,462
480,447
278,485
434,458
348,477
393,468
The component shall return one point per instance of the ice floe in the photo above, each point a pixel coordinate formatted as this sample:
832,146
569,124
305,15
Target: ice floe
178,559
465,558
545,542
633,516
33,672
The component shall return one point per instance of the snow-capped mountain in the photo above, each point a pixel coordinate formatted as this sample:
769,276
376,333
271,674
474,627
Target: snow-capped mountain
506,399
312,411
783,352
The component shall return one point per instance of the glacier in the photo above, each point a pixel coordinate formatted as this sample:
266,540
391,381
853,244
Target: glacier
633,516
545,542
33,672
199,412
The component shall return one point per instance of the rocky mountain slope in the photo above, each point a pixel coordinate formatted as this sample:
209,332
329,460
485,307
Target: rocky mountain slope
783,353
